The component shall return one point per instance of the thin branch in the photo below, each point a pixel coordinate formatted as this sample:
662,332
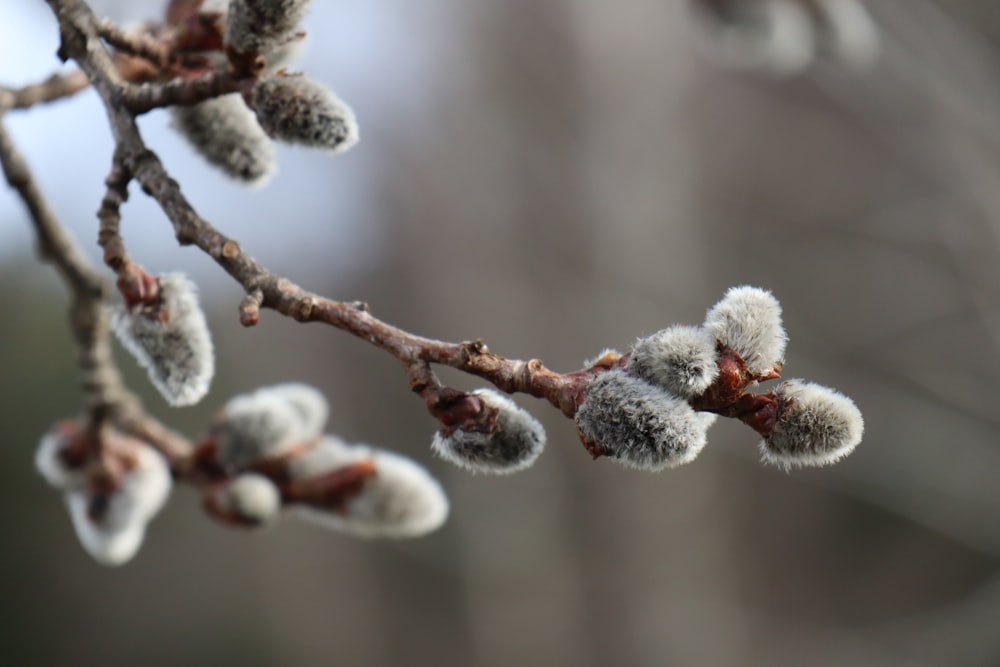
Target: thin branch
56,87
109,215
89,323
107,397
144,97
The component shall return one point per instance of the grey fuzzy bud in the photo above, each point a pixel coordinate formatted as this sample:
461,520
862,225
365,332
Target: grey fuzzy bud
517,442
400,500
227,134
256,427
253,498
296,109
258,26
115,535
640,425
680,359
308,403
816,426
269,423
174,344
748,320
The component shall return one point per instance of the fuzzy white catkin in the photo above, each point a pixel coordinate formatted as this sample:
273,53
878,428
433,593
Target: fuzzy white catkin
110,544
816,426
748,320
680,359
253,497
259,26
176,350
295,109
775,36
400,500
641,425
309,404
227,135
256,427
115,536
516,444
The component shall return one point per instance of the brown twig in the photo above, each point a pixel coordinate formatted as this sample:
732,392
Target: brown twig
88,288
109,215
56,87
140,98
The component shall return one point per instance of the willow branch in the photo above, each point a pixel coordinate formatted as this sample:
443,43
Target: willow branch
56,87
81,42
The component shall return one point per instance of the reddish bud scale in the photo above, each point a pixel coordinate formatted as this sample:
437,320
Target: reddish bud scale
276,468
198,32
250,317
331,490
458,410
758,411
728,387
75,450
205,461
137,286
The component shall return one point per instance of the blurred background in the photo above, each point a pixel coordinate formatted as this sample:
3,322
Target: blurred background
558,177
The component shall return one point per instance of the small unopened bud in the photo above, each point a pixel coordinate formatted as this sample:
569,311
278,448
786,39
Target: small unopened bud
401,499
513,445
171,340
748,320
227,134
816,426
638,424
298,110
258,26
247,500
111,522
680,359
